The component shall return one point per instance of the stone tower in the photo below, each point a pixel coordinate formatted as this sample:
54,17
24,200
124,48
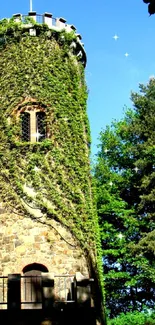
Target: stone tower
49,258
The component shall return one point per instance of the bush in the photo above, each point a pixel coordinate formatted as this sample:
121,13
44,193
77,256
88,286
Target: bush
133,318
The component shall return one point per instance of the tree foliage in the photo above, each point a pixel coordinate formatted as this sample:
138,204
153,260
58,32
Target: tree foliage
125,178
134,318
151,6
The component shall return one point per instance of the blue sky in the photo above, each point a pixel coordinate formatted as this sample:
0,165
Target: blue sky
110,75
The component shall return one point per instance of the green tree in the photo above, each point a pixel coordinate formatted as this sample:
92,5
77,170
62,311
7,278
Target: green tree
134,318
125,180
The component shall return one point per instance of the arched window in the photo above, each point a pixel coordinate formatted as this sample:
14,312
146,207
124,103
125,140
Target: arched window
33,125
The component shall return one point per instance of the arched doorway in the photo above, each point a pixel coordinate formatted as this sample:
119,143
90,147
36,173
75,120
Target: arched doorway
32,286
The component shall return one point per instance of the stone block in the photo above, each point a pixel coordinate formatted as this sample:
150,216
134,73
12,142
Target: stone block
37,246
9,247
7,239
6,258
18,243
21,250
37,239
28,240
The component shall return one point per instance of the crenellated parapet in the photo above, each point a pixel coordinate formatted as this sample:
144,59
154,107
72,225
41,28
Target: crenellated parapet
57,24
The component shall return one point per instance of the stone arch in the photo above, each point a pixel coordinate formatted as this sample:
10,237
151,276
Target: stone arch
35,267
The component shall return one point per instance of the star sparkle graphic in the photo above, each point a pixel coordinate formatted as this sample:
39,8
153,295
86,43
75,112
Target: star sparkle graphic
126,54
136,169
65,119
115,37
120,236
106,150
36,169
37,135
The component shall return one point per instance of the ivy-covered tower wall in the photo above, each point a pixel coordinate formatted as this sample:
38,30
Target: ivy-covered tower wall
46,205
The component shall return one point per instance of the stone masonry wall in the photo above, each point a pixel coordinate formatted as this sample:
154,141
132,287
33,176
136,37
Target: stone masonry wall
24,241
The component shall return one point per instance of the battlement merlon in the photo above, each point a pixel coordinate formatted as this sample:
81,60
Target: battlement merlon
57,24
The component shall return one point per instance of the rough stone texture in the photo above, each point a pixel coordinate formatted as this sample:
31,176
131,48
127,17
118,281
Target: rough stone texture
24,241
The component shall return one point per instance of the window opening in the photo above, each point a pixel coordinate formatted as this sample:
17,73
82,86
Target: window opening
25,121
40,126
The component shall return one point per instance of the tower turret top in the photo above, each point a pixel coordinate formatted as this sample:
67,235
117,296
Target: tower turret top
57,24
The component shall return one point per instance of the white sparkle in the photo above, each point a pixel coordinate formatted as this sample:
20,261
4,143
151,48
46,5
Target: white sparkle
106,150
136,169
36,169
120,236
65,119
37,135
116,37
111,183
126,54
